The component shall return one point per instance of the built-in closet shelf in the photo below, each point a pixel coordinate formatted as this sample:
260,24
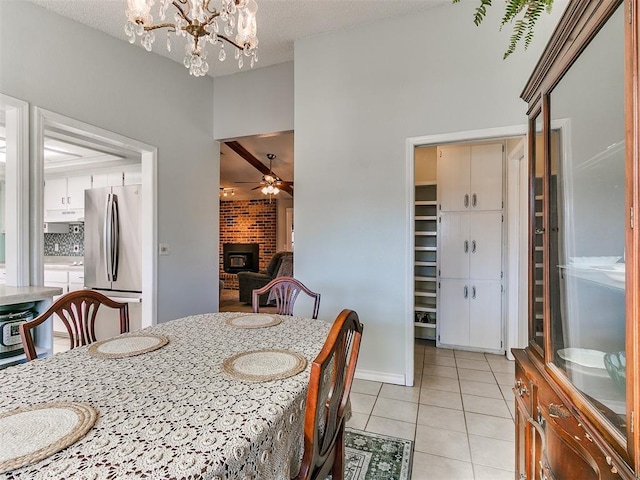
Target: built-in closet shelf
425,325
425,259
419,308
425,294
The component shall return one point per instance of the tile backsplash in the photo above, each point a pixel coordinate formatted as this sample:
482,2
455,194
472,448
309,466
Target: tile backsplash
66,242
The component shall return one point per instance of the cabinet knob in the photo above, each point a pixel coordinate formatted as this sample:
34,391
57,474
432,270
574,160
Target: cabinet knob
474,200
473,246
466,246
466,200
466,292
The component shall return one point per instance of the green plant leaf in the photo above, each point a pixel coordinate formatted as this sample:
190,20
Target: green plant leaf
523,14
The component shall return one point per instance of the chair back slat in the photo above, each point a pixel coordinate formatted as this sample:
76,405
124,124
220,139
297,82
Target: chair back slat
329,385
285,291
78,311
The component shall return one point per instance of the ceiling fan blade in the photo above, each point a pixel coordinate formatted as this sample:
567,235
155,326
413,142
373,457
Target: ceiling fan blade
256,188
245,182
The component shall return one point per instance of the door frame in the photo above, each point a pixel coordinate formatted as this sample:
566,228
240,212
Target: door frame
514,323
149,160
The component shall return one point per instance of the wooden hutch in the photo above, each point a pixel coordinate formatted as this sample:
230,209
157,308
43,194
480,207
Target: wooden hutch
577,383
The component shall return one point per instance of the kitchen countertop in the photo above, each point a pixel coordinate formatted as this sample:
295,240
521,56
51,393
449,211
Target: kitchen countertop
13,295
62,266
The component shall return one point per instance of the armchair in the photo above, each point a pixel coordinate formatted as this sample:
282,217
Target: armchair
249,281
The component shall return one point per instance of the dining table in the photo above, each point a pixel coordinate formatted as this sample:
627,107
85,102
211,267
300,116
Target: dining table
218,396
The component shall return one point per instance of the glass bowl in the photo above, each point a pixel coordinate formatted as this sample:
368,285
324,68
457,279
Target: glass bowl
616,365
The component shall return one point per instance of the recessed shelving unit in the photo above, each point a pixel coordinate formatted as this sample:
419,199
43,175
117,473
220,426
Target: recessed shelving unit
425,260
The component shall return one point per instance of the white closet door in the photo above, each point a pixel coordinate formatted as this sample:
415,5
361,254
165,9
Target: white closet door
455,247
485,314
486,177
485,245
453,314
453,178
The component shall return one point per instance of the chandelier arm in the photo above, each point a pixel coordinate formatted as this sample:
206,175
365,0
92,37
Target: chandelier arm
176,3
206,7
160,25
230,41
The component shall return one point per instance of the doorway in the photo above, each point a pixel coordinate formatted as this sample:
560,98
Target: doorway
61,137
515,200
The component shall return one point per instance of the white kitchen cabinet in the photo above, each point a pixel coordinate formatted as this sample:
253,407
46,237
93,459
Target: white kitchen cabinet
55,194
76,280
471,313
133,176
64,198
470,177
57,278
471,245
129,175
107,179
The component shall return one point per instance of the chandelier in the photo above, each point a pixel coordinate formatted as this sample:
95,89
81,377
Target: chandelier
234,25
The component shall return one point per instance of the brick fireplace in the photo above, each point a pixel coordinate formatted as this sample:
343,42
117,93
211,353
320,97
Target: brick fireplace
247,221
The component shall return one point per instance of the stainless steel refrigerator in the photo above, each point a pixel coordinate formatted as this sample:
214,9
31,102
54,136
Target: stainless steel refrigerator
113,239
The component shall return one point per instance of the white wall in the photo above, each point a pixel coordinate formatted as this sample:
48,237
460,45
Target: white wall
359,94
253,102
68,68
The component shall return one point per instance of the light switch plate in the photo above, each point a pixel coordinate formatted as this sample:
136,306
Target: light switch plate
164,249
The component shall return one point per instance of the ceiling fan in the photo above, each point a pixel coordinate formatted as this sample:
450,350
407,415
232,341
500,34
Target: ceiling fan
271,184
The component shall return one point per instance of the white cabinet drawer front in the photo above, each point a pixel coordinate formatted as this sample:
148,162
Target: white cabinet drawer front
76,276
55,276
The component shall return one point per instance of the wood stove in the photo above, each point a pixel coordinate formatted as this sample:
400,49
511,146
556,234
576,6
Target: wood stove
240,257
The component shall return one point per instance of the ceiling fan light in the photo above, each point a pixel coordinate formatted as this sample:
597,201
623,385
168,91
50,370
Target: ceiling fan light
276,190
265,190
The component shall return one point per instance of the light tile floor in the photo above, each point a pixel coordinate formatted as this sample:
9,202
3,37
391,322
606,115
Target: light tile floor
459,413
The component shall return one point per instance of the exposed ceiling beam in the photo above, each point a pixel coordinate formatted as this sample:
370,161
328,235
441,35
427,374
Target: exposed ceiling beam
255,163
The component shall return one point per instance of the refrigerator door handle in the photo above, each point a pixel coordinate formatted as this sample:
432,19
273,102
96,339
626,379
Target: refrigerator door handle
107,237
115,247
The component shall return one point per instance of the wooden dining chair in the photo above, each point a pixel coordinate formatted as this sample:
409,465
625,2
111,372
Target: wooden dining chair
285,291
329,386
77,310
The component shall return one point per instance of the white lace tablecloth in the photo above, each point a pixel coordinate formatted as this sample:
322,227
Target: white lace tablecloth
172,413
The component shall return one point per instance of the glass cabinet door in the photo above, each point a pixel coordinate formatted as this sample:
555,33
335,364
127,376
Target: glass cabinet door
588,222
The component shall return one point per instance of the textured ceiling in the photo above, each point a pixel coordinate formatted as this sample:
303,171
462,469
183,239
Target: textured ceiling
280,23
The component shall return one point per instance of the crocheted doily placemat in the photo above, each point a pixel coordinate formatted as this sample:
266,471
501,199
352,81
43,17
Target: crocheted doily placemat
127,345
264,365
29,434
253,321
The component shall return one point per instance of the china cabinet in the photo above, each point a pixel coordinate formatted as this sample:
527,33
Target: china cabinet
577,385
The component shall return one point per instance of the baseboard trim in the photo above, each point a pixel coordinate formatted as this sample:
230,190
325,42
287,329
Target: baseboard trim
384,377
